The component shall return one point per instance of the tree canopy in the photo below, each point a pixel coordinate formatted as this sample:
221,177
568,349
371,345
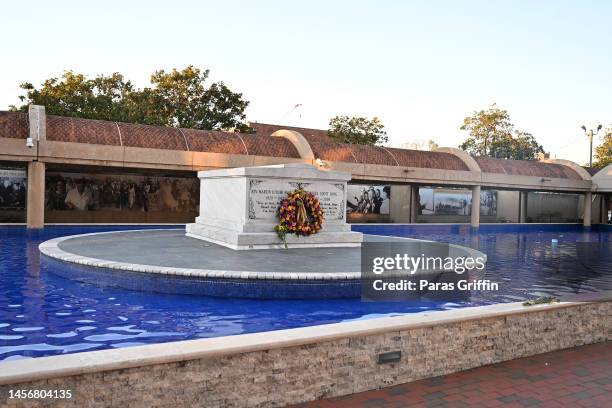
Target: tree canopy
176,98
357,130
603,152
491,133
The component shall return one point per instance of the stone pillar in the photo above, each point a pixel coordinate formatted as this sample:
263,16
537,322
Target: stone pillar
414,203
35,213
603,209
37,123
475,213
523,207
588,198
36,195
400,205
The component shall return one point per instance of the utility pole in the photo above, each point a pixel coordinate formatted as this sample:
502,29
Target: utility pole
589,134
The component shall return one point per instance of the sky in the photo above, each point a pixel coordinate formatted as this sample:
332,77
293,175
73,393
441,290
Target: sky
420,66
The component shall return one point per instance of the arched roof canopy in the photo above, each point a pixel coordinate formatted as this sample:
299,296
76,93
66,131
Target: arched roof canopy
526,168
425,159
446,166
77,130
14,125
388,156
603,179
266,129
297,140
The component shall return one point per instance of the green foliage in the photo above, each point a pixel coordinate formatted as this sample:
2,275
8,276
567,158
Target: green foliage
176,98
603,152
493,134
357,130
519,146
281,232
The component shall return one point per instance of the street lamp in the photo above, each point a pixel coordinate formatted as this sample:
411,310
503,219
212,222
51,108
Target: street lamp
589,134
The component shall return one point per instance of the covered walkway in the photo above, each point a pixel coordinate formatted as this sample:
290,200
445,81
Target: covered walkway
41,143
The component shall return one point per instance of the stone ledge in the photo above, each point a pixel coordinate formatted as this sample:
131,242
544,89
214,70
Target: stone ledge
42,368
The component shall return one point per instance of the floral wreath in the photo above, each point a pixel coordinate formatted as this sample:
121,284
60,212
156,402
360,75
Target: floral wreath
300,214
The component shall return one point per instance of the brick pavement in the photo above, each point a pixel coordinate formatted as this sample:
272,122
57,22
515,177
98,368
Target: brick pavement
578,377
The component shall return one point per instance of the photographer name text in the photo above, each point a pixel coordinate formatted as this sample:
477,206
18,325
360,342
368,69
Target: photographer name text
424,284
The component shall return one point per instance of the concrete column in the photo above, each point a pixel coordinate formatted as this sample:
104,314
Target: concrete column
400,204
603,216
588,198
475,207
37,123
522,207
36,195
414,203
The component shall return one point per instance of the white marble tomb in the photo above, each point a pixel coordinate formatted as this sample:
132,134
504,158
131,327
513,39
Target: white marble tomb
238,206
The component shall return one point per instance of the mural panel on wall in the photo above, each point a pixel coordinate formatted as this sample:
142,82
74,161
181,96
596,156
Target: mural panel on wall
172,198
12,195
488,202
368,203
445,201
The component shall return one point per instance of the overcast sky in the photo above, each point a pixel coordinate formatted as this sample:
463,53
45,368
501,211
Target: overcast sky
420,66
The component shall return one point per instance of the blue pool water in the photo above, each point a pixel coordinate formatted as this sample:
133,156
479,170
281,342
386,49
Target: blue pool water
44,314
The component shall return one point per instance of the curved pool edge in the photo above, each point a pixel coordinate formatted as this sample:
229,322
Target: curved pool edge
246,284
51,249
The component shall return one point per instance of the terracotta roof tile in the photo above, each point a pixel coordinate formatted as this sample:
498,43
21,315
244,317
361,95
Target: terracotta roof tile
152,137
430,160
68,129
526,168
13,125
214,142
64,129
332,151
235,143
373,155
266,129
270,146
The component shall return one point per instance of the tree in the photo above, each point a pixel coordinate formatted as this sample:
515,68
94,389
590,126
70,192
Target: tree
186,102
493,134
519,146
603,152
357,130
176,98
487,129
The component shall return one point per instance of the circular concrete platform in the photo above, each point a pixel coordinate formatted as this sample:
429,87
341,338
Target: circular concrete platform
167,261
